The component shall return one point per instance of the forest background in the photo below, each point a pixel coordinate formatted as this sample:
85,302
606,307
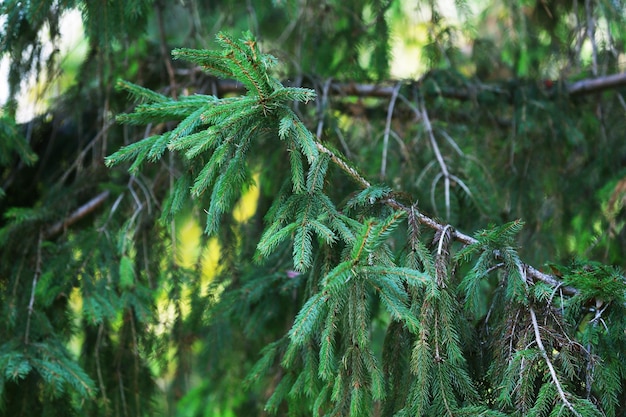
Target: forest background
313,208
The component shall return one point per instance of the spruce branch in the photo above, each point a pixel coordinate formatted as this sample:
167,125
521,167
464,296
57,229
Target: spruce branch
421,218
431,223
222,130
343,165
244,59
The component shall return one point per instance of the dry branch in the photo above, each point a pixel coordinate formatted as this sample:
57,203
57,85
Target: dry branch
596,85
77,215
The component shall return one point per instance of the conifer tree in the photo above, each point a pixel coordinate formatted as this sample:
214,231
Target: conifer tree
352,289
544,363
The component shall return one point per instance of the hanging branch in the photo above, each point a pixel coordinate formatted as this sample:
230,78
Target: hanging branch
531,272
243,63
214,134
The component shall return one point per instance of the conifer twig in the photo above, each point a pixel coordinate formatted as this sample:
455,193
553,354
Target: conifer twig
553,374
343,166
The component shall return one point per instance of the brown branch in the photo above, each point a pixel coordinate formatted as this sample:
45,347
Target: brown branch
596,85
224,87
76,215
586,86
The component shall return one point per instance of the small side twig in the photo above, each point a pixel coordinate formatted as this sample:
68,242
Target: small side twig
322,107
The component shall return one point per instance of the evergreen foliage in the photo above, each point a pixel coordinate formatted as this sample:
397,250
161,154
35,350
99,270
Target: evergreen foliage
329,357
340,294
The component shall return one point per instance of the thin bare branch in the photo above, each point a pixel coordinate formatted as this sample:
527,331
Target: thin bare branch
322,107
36,276
553,374
591,35
442,164
96,353
252,18
392,104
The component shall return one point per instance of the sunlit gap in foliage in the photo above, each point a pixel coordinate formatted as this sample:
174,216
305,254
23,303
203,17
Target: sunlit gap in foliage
38,93
89,311
190,254
205,259
410,24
